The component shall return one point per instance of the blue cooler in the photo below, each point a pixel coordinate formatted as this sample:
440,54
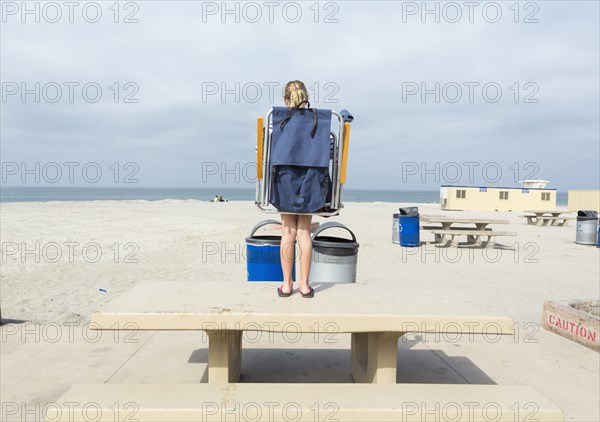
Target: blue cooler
262,255
409,227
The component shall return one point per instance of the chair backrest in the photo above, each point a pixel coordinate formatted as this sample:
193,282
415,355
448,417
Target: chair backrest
288,138
301,137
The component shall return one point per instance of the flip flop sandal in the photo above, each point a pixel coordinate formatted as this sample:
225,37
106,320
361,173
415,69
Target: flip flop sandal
281,294
310,294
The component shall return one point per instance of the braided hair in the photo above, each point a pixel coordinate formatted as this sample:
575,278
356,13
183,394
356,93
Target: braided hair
295,94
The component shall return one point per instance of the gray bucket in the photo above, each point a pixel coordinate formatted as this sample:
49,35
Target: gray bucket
333,258
587,226
396,229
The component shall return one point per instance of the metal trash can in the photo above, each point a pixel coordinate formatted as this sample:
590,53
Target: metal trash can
587,226
262,255
409,227
334,259
396,229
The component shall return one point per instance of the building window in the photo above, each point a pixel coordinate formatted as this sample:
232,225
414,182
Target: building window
461,193
545,196
503,194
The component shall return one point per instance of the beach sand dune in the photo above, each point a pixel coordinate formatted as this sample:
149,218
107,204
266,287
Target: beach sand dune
63,260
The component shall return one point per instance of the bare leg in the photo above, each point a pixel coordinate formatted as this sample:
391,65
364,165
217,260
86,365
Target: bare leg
305,245
288,238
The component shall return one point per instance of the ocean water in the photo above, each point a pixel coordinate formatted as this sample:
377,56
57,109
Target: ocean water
43,194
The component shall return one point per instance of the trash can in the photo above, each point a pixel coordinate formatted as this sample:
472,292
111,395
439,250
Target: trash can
409,227
333,258
587,226
262,255
396,228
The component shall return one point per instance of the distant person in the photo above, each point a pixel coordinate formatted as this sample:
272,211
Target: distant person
216,198
221,199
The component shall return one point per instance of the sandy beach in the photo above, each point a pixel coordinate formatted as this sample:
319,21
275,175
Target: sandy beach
63,260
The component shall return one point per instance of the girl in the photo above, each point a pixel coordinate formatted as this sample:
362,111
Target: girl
295,226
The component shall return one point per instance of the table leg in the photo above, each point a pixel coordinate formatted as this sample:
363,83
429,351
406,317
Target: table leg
479,241
446,239
374,357
491,242
224,356
454,241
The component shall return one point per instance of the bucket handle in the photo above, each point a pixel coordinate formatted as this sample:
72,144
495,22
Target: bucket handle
263,223
331,224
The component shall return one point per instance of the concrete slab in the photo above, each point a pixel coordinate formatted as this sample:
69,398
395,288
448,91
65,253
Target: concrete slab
561,318
304,402
336,308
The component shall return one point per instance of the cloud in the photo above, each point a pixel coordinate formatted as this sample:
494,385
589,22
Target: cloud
195,85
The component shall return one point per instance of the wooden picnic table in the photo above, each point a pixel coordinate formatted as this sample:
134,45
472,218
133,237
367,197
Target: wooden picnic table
547,217
448,233
375,319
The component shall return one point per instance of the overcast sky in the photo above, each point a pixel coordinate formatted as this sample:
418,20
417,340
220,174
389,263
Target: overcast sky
515,99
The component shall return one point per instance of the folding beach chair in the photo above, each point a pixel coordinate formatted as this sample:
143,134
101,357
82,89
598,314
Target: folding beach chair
307,147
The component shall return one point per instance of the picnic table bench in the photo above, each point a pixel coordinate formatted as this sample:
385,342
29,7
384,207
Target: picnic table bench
447,233
225,310
545,218
268,402
450,237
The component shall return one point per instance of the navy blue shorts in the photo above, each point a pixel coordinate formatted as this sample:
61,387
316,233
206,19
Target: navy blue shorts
297,189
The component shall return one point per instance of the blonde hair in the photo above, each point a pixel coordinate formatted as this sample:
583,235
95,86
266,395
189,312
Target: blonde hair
295,94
